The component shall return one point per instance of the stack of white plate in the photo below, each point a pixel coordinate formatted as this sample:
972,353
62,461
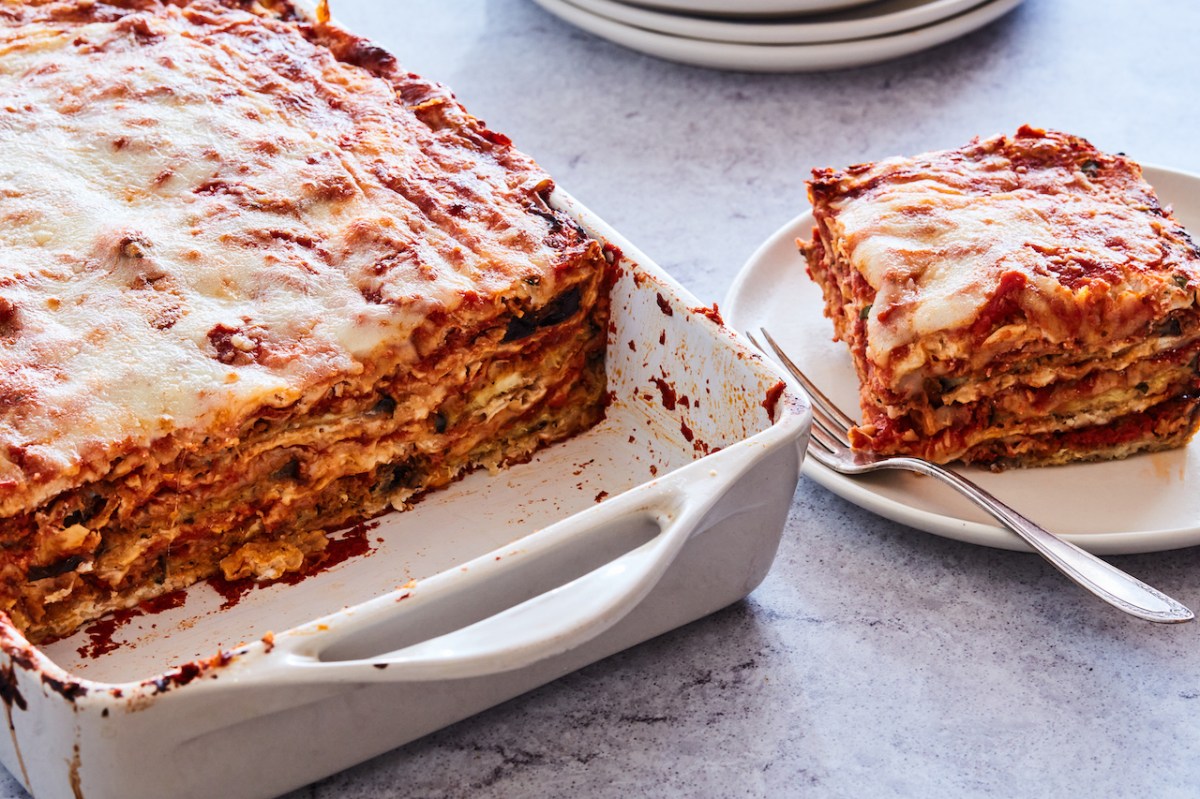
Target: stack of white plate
779,35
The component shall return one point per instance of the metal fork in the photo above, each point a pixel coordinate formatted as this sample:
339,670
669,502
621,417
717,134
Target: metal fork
830,447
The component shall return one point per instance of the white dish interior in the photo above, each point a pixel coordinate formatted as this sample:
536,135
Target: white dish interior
1144,504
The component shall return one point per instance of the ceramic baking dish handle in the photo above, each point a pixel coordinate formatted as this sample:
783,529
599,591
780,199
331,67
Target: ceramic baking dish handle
543,626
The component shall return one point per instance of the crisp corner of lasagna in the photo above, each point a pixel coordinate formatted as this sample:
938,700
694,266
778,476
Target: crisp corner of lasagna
1023,300
259,283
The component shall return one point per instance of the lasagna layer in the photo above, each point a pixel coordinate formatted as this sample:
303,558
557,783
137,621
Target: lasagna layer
256,283
1021,300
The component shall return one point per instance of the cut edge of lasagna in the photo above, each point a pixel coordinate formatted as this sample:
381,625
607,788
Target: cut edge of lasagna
257,283
1023,300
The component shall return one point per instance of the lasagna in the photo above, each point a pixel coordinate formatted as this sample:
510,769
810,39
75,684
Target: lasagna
1022,300
257,282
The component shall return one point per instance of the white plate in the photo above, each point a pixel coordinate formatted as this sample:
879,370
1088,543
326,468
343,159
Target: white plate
751,8
780,57
877,19
1147,503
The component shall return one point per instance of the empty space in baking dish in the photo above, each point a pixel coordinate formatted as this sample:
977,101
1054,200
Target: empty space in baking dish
680,388
526,578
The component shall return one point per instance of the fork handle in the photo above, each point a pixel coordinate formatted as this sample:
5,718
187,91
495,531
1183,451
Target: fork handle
1101,578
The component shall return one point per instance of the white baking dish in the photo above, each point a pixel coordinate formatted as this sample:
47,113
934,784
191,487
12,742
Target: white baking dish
481,592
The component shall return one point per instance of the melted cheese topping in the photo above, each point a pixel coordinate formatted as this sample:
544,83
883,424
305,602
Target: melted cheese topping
939,236
201,213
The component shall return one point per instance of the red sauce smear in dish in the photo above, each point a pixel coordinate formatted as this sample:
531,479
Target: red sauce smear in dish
665,306
772,399
668,393
100,632
712,313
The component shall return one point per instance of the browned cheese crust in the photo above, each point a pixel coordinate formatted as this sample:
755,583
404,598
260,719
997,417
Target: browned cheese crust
256,282
1022,300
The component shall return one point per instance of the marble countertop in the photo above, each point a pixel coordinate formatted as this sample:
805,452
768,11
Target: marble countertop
875,660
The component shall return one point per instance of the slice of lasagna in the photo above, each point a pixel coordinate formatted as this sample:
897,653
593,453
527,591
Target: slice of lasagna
1023,300
256,282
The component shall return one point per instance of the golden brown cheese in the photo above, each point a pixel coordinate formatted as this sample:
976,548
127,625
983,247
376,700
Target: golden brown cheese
1006,291
202,212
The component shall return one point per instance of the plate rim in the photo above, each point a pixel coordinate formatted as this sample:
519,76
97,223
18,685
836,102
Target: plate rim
756,9
757,31
817,57
941,524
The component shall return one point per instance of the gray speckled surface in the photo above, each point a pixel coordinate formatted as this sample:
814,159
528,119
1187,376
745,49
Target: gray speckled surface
875,660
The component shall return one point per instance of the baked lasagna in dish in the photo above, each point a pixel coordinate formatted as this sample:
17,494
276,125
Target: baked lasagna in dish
257,282
1022,300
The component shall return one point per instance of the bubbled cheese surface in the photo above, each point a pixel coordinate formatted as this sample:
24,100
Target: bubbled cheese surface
202,213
